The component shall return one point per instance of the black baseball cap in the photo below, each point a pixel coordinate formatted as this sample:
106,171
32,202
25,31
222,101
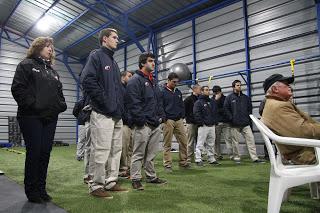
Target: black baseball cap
216,88
274,78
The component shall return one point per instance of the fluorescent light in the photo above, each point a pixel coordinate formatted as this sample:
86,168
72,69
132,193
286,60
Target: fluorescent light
45,23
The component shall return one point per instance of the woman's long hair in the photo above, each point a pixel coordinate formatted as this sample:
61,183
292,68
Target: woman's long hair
37,45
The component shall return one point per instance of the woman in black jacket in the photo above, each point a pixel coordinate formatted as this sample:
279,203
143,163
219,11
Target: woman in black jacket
38,92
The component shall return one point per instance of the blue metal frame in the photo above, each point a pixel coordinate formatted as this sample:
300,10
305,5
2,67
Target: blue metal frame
123,23
69,23
318,19
125,58
11,13
7,32
125,13
138,6
66,63
30,28
150,38
194,51
1,38
87,36
247,47
155,53
179,11
186,19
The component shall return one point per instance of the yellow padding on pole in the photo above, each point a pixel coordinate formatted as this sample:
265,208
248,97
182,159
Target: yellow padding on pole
292,62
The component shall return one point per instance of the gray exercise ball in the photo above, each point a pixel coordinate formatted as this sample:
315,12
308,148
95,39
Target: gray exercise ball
182,71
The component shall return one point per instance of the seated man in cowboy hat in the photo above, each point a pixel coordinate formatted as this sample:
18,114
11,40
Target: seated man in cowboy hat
285,119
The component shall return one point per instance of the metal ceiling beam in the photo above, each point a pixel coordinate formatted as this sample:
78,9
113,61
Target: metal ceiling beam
123,23
28,41
30,28
69,23
179,11
138,6
11,13
185,19
87,36
117,10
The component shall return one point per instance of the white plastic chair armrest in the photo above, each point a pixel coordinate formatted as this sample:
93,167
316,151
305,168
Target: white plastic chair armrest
295,141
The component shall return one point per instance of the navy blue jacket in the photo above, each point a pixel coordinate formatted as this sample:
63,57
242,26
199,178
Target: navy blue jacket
100,79
142,96
188,106
173,105
221,115
238,108
37,89
205,111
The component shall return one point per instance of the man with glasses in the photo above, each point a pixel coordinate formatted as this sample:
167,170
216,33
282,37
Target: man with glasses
174,113
286,119
238,107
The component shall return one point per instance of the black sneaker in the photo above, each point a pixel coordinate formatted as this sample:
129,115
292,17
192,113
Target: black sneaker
259,161
215,163
35,200
199,163
136,184
46,197
156,181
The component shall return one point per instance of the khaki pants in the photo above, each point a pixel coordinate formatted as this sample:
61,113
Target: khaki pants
145,148
192,132
126,154
106,138
176,128
206,137
248,136
222,134
81,141
88,153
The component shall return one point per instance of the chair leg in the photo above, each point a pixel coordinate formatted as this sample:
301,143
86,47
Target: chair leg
315,190
276,193
286,195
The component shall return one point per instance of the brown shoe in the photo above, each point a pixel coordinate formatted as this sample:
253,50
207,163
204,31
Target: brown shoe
117,188
100,192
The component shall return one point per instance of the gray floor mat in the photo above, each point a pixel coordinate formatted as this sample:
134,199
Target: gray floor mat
13,200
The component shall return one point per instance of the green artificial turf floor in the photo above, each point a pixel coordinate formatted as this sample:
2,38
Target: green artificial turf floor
226,188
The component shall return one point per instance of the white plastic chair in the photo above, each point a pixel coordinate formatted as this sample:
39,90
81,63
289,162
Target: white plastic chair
283,177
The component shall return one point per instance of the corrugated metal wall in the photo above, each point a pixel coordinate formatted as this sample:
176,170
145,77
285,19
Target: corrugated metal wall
10,55
220,45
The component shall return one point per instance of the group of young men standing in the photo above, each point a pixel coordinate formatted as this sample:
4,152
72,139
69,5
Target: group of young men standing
126,116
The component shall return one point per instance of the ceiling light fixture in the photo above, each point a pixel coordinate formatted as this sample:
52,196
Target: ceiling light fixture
45,23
